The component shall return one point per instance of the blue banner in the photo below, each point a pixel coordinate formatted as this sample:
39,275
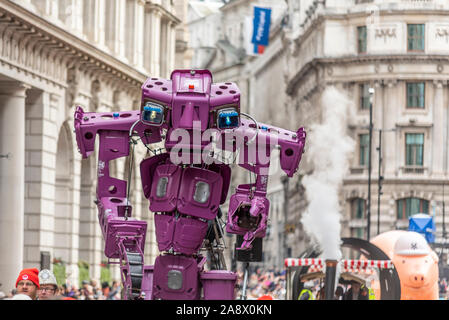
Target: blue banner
261,26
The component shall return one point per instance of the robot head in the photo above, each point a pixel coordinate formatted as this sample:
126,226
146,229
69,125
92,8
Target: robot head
189,100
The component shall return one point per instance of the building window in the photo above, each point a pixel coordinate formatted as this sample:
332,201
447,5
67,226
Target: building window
358,208
416,94
415,37
358,233
363,149
410,206
361,36
364,96
414,149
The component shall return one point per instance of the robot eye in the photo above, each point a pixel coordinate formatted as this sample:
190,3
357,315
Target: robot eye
227,119
153,114
202,192
162,187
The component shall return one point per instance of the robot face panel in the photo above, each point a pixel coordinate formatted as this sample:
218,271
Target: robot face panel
228,118
153,114
190,100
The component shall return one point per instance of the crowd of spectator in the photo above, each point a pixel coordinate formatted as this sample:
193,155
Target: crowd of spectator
263,283
89,290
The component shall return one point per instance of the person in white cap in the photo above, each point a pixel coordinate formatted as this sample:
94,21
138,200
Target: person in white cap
21,296
48,285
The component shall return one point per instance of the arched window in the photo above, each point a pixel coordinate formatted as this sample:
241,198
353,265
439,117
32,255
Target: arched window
358,208
409,206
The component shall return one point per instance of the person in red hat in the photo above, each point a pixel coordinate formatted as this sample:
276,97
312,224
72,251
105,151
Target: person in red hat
28,282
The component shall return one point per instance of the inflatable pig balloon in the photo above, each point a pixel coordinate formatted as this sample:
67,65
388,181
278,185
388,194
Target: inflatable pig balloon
415,262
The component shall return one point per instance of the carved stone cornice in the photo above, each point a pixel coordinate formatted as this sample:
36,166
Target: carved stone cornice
439,84
13,88
37,46
295,77
163,12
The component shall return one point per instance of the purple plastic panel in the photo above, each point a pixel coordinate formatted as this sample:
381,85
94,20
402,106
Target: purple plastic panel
225,94
182,81
259,150
225,172
119,227
88,124
190,99
189,235
113,145
291,152
175,278
192,180
259,205
157,89
165,228
184,235
218,285
147,169
187,141
164,189
147,282
113,207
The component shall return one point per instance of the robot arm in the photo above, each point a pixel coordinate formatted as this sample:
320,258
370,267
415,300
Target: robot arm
249,207
124,236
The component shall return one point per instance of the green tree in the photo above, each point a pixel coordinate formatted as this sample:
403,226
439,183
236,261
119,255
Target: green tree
59,271
105,273
83,271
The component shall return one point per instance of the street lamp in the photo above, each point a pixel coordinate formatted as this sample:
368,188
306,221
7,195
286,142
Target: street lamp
368,214
380,176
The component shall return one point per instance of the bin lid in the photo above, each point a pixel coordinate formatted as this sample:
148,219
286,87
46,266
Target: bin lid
219,275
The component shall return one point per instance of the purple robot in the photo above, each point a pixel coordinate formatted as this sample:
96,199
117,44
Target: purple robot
185,183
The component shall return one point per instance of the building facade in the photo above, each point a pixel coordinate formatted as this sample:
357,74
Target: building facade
55,55
400,49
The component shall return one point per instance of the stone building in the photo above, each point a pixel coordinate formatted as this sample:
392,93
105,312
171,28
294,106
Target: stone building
55,55
399,48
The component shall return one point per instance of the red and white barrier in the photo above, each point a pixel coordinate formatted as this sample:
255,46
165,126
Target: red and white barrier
364,264
292,262
366,271
345,264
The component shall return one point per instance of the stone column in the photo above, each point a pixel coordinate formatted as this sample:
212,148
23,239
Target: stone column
163,49
77,16
99,23
120,28
40,163
139,34
12,175
171,47
155,29
438,129
146,39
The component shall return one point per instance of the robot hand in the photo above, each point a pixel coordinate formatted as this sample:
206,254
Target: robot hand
256,213
257,205
248,215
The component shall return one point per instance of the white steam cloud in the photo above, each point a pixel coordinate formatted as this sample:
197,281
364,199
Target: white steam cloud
329,148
